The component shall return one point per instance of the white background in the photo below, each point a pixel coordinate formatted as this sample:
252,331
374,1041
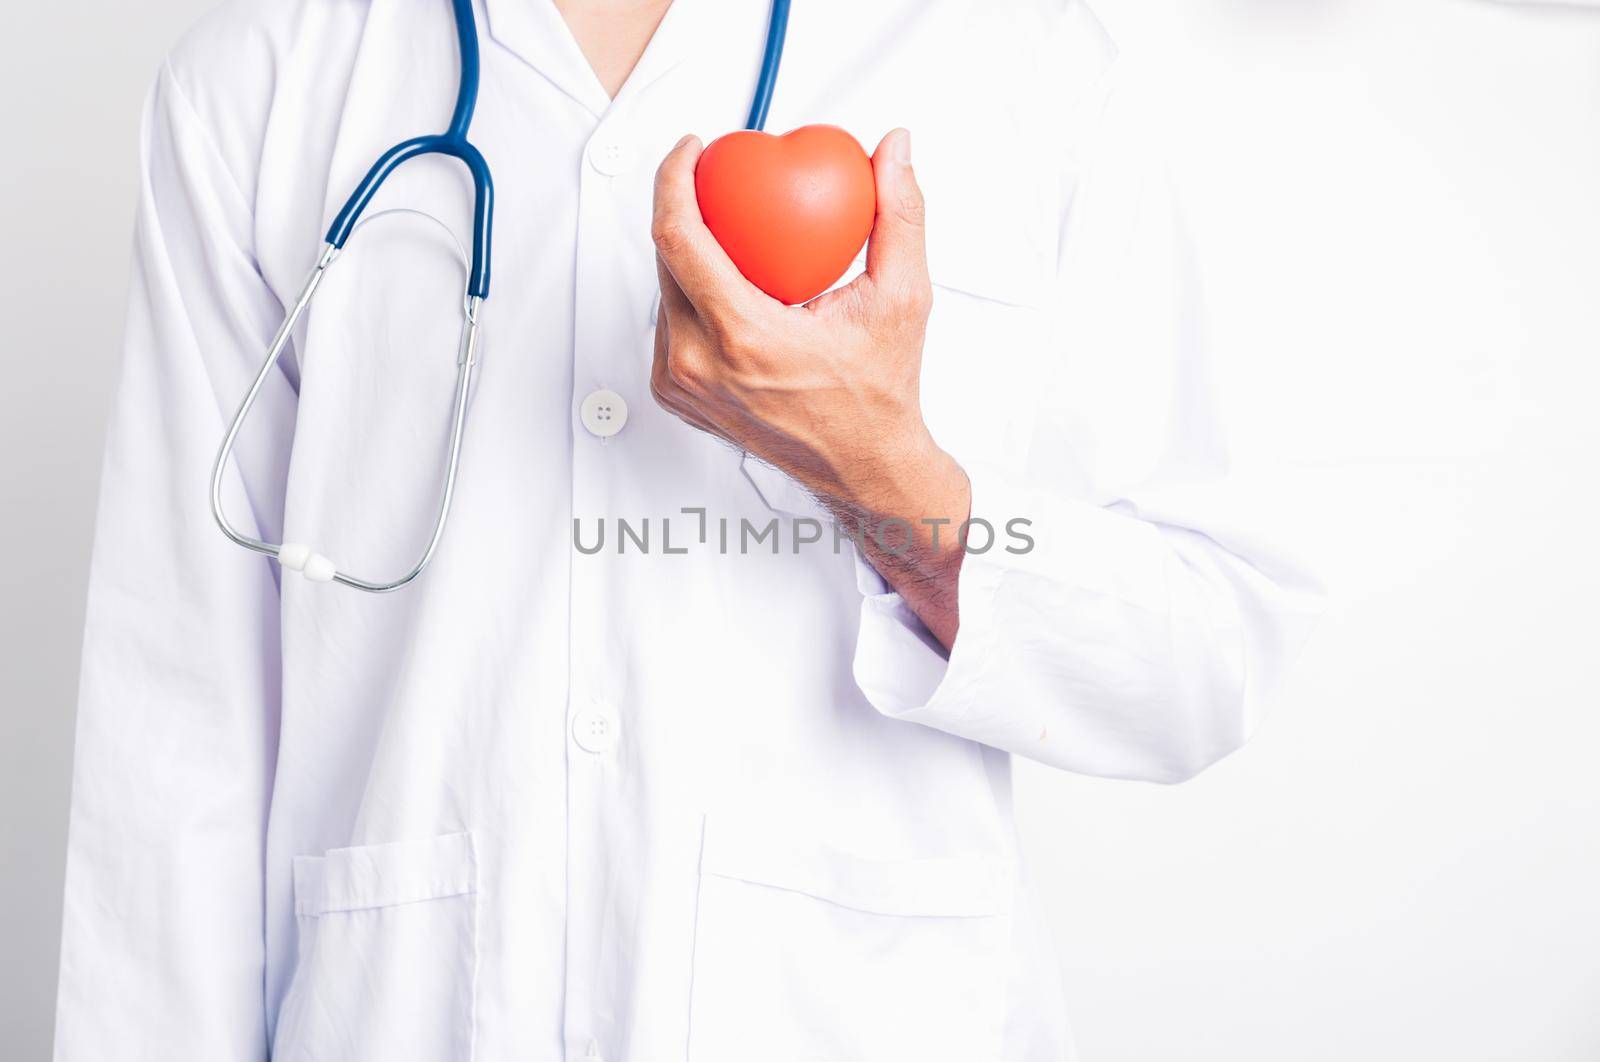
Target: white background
1398,203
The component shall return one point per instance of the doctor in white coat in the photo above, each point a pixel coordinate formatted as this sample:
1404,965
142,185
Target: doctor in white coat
727,785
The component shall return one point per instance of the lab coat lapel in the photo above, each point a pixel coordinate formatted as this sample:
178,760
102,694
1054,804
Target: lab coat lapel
683,32
403,85
536,33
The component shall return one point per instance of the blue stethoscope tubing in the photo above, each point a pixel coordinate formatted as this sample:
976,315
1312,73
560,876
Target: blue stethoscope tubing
771,60
452,142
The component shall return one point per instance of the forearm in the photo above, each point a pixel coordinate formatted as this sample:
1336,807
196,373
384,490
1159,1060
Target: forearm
907,515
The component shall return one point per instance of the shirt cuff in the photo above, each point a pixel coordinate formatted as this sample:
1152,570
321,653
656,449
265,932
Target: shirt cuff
899,665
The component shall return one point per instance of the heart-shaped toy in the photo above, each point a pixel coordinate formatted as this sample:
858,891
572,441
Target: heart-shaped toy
792,211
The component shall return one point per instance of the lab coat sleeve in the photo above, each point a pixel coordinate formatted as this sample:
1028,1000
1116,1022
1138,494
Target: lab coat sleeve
162,941
1134,624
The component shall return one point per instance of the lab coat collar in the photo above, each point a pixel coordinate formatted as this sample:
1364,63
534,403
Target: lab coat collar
535,32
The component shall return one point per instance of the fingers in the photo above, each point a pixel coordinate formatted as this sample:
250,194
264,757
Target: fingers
673,301
676,318
669,393
702,269
897,254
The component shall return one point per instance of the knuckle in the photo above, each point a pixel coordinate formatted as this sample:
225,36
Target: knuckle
919,301
685,371
737,344
730,333
913,205
660,381
746,345
669,234
912,300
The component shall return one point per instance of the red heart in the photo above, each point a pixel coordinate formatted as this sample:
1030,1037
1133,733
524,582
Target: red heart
792,211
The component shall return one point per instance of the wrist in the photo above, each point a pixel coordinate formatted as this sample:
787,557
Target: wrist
910,478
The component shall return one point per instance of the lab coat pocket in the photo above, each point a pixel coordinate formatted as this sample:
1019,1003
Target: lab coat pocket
388,954
803,953
986,361
781,493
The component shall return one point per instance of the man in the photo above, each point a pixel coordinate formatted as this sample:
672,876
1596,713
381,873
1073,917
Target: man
651,763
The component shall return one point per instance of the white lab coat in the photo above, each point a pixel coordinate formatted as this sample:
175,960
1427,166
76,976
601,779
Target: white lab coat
548,805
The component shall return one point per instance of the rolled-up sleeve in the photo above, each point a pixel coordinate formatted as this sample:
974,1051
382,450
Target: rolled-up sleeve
1122,613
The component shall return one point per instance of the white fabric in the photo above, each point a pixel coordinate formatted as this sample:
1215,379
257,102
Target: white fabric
352,827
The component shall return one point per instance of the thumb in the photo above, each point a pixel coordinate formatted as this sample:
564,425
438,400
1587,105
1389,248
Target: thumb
897,254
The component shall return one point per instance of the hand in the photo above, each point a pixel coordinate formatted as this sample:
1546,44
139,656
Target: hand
828,391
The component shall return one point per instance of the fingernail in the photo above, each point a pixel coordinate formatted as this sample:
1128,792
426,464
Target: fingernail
900,146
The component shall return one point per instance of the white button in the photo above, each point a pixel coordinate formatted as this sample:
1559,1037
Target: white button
595,730
610,157
604,413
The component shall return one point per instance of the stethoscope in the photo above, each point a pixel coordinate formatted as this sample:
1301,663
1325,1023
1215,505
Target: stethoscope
298,556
